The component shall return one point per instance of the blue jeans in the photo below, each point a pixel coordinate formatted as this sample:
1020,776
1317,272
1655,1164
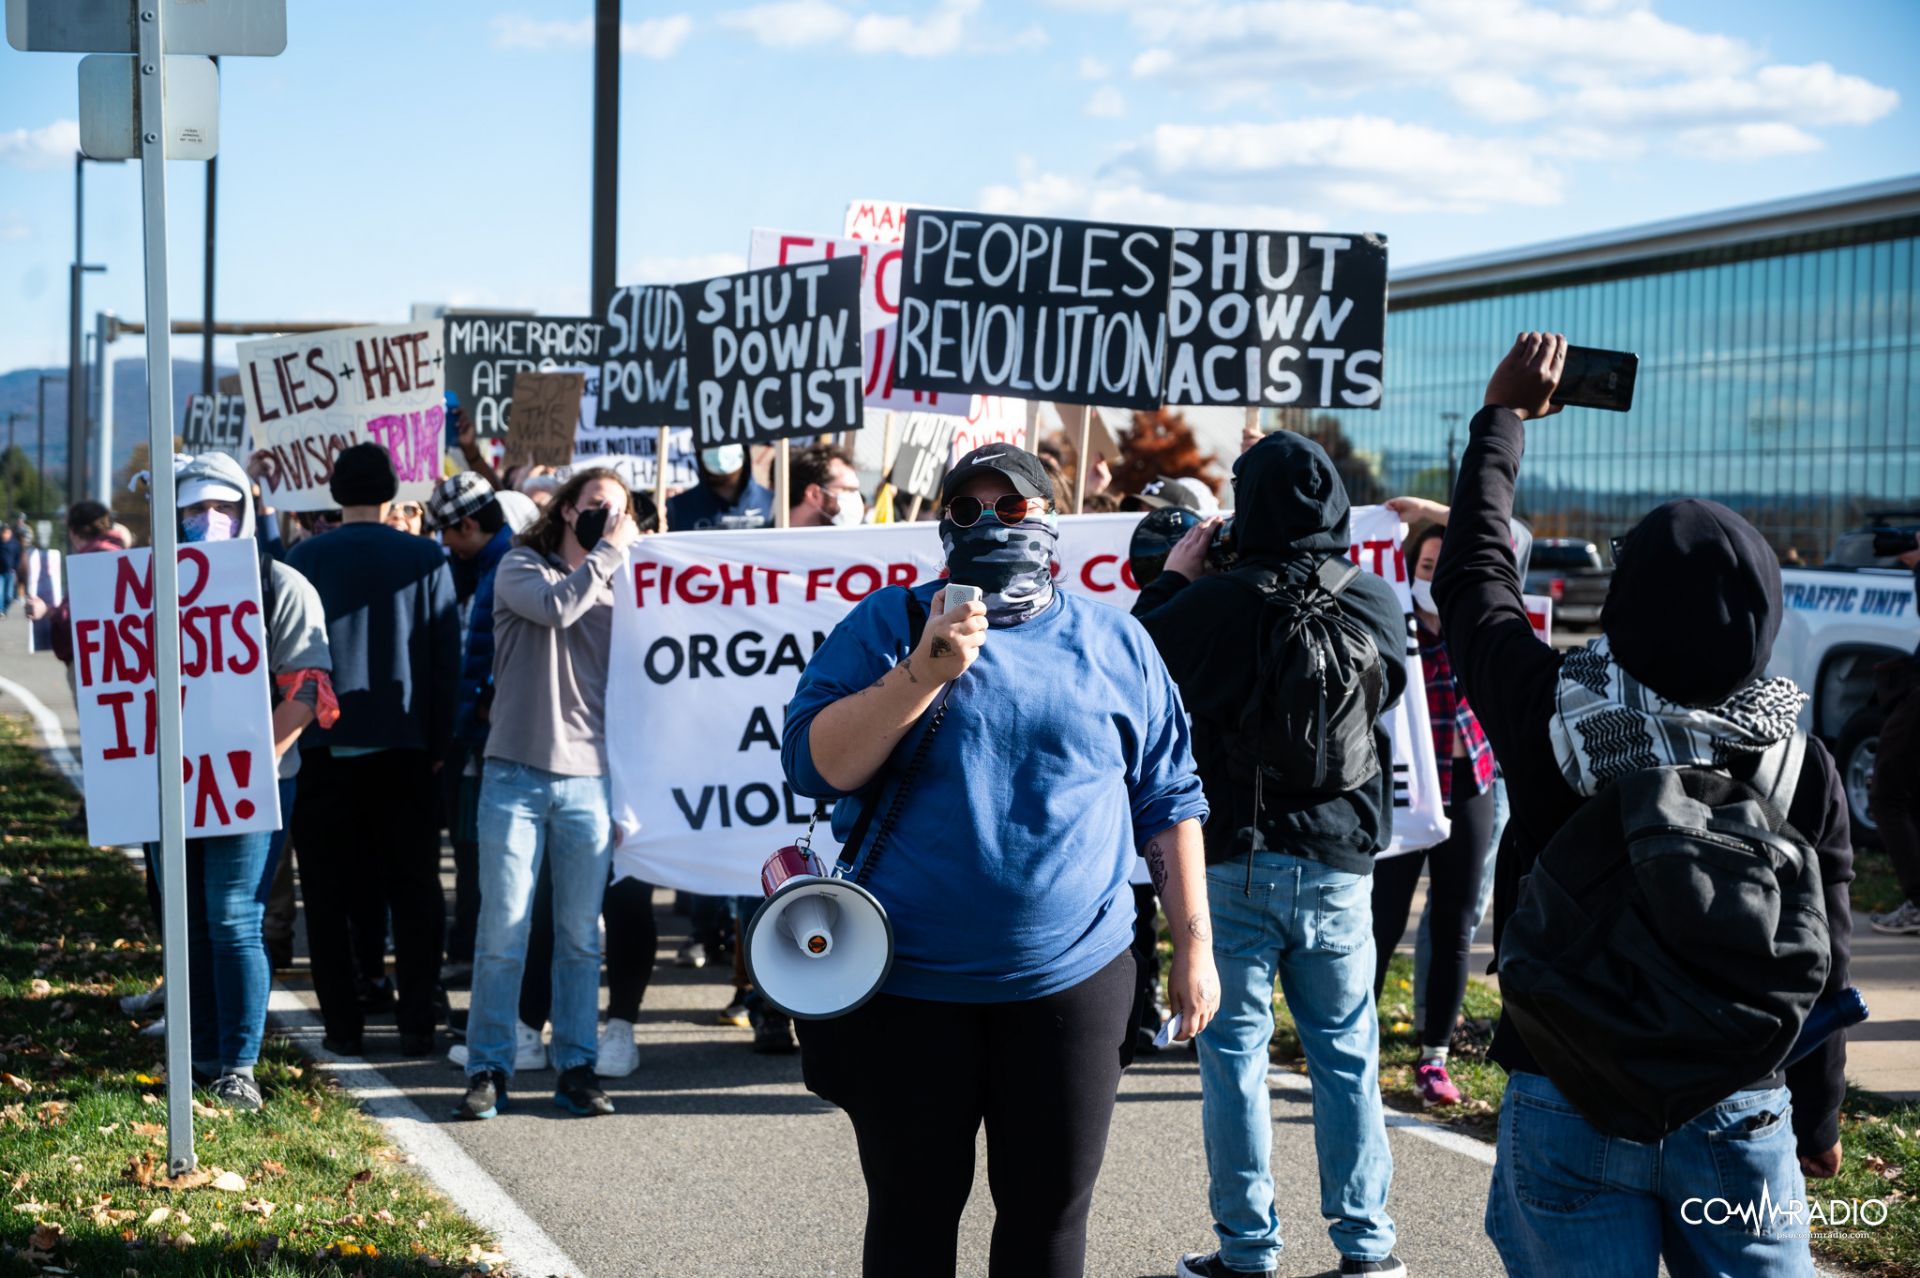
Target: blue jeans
527,815
1423,938
1312,926
7,582
228,975
1570,1202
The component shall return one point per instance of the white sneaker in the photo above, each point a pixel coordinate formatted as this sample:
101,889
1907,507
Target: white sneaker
1904,921
618,1057
140,1004
529,1053
156,1030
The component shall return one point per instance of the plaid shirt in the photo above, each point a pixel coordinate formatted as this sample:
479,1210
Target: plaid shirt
1452,719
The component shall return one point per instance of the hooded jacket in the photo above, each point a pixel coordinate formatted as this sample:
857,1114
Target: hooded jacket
1692,613
296,623
1292,514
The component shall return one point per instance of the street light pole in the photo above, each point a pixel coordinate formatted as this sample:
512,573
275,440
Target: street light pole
206,285
606,149
77,404
41,394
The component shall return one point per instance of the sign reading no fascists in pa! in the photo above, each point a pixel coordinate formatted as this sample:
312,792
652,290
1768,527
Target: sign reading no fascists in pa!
313,395
711,631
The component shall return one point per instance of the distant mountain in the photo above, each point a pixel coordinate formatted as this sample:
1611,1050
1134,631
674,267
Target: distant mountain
19,402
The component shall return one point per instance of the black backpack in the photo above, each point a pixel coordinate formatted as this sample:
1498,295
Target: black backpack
1308,727
1668,944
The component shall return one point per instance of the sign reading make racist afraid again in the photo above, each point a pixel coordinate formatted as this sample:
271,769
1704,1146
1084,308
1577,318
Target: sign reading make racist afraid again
310,396
1035,308
711,631
486,352
231,783
1276,318
775,353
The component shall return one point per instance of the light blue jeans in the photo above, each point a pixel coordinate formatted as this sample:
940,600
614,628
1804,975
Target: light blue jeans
1312,926
527,814
1723,1195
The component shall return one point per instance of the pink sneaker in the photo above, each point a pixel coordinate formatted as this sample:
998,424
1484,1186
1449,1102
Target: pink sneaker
1435,1088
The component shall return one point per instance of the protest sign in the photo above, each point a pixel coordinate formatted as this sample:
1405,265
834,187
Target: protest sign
485,352
995,419
711,631
1276,317
544,417
1034,307
215,424
643,359
628,450
775,353
231,780
926,447
879,309
228,384
883,221
310,396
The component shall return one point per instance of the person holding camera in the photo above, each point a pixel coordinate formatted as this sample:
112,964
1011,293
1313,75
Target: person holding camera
1024,750
1289,857
1894,799
1664,797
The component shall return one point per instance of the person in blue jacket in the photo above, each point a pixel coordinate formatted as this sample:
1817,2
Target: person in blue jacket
1059,752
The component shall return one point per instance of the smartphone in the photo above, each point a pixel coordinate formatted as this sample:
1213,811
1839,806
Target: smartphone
959,595
1597,379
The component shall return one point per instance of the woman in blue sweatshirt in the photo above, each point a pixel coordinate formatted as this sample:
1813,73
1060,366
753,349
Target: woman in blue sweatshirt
1059,751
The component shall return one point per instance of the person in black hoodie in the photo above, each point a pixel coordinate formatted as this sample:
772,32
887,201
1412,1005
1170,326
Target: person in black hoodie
1691,616
1289,878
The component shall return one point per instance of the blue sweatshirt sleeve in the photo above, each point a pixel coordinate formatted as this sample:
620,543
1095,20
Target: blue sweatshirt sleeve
1163,786
868,642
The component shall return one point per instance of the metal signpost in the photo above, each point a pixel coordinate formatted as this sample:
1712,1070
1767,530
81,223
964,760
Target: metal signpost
124,112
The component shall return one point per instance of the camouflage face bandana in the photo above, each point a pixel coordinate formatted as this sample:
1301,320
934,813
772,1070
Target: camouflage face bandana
1012,566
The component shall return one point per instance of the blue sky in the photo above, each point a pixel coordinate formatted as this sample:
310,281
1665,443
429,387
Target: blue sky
437,150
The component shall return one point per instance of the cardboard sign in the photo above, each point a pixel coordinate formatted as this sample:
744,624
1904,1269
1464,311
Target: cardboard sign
231,784
312,395
229,384
545,416
643,359
1034,307
882,221
1276,317
711,631
926,448
775,353
486,352
215,424
879,309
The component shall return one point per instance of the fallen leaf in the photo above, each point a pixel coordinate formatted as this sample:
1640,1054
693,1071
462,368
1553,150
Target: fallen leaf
147,1080
205,1110
270,1168
183,1241
17,1083
257,1207
194,1179
53,1113
148,1129
39,989
230,1182
148,1098
31,1208
109,1129
158,1215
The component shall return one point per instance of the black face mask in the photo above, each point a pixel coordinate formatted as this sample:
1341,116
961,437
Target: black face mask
589,524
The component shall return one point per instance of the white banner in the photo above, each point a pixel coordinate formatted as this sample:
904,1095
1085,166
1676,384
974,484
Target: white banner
711,631
310,396
231,784
629,450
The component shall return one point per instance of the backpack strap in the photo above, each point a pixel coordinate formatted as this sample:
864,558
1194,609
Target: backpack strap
1778,776
1335,573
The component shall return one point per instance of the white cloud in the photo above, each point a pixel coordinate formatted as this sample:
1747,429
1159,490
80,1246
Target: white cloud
678,270
1745,141
1094,69
649,38
1500,99
790,24
14,229
48,147
1815,94
1055,195
1107,103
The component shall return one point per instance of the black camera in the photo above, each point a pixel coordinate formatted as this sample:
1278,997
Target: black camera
1899,540
1161,530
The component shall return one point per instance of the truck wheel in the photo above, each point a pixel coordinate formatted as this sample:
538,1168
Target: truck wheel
1855,755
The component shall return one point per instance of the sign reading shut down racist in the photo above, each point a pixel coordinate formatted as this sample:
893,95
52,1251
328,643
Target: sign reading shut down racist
230,785
312,395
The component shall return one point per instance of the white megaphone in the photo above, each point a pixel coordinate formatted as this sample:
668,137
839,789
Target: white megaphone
819,945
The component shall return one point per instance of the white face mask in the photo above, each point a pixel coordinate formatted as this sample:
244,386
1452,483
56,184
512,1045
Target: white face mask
724,460
1423,597
852,511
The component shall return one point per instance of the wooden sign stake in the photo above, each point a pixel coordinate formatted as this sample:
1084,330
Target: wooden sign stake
1080,469
1033,426
782,485
660,478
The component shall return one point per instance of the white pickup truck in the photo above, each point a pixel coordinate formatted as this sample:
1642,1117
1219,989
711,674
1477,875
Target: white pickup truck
1841,623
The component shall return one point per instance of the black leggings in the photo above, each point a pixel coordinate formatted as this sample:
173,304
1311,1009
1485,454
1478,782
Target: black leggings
1453,889
917,1078
632,938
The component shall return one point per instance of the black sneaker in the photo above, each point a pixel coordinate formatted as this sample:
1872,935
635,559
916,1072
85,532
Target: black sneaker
237,1091
772,1031
376,997
486,1095
344,1044
1209,1265
1391,1267
692,954
578,1092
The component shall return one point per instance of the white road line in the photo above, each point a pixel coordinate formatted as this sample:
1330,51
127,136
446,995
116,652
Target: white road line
47,724
478,1196
1478,1150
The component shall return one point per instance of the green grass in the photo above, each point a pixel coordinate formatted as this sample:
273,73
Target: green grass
1875,890
82,1121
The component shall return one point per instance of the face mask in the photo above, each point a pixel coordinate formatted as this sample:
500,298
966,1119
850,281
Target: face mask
589,524
1423,597
209,525
1012,566
724,460
852,511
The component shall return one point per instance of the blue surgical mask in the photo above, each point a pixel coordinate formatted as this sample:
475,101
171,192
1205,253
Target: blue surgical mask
724,460
1013,566
209,525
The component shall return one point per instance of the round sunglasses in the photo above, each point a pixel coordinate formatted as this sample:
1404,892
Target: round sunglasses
1010,510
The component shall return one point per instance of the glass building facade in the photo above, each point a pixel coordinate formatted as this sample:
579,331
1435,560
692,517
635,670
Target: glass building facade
1777,370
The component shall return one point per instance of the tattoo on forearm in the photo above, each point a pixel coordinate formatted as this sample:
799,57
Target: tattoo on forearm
1157,866
1197,929
907,665
941,648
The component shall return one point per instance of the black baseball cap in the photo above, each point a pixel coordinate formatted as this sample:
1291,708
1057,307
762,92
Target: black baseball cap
1164,492
1020,467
